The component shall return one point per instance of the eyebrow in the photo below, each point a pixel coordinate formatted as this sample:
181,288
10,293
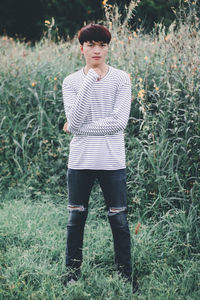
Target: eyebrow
93,42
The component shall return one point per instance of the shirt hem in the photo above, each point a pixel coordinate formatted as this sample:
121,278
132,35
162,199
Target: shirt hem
95,168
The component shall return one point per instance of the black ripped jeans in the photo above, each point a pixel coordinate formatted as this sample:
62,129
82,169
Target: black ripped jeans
113,185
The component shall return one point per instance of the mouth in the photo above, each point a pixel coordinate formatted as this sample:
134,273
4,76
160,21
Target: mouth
96,57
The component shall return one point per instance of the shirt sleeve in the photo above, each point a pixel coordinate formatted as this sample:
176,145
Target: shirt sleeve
76,106
117,120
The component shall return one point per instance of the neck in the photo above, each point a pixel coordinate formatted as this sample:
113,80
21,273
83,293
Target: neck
102,68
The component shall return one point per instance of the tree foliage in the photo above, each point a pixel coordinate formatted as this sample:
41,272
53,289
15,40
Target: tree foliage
26,19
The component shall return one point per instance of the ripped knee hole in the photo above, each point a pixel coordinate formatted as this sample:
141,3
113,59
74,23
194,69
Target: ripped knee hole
76,208
116,210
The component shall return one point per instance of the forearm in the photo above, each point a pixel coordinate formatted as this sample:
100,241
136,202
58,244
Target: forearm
105,126
77,112
114,123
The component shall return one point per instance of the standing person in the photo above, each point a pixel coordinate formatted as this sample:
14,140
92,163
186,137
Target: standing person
97,102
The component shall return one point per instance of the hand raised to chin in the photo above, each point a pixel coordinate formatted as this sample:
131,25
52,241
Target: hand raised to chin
65,127
98,71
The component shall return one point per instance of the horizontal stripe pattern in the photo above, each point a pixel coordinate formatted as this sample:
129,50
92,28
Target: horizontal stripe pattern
97,112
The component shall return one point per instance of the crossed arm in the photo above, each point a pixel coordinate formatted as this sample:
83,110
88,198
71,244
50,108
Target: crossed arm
77,106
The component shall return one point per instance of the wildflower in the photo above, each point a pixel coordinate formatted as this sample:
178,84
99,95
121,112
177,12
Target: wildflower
47,22
34,84
140,79
104,2
141,94
142,109
134,33
166,37
137,227
157,88
146,58
55,78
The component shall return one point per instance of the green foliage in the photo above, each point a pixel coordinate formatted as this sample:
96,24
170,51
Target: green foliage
162,142
32,245
162,136
26,20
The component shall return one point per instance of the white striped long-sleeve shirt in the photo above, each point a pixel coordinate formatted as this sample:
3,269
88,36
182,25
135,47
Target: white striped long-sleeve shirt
97,113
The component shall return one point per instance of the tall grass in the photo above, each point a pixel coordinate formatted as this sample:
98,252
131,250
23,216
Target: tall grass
162,143
163,132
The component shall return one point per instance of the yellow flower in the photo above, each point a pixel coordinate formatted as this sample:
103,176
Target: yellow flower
34,84
166,37
141,94
47,22
104,2
157,88
140,79
146,58
55,78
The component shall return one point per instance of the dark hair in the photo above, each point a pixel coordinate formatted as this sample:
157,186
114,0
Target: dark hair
94,32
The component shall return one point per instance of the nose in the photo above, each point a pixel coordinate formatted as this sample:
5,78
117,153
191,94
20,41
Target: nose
97,49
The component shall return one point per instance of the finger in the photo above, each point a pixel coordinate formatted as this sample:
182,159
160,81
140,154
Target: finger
65,127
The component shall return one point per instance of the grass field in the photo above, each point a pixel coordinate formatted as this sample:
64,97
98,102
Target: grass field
33,246
163,167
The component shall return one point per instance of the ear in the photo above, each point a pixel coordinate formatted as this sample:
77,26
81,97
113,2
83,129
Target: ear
81,48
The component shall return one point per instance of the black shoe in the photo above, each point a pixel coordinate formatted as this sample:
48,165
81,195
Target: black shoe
132,280
70,277
135,286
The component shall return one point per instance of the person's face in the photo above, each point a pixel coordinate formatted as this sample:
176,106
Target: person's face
94,52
